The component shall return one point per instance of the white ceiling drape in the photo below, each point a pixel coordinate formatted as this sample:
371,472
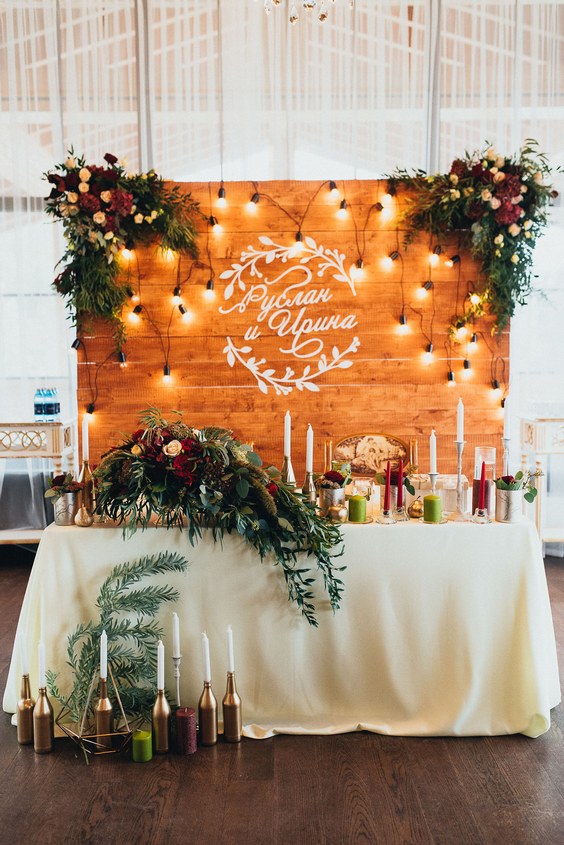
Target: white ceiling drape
211,89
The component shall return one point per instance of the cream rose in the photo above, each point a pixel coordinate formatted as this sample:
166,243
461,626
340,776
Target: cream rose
106,196
138,218
486,195
454,178
136,450
173,448
99,218
527,224
514,230
72,197
83,187
109,236
498,239
495,203
70,163
499,176
84,174
515,259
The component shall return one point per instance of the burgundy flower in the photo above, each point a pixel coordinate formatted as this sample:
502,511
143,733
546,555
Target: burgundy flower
191,447
272,488
335,476
137,435
459,168
58,480
509,479
507,213
121,202
182,467
111,159
475,210
89,203
482,175
71,181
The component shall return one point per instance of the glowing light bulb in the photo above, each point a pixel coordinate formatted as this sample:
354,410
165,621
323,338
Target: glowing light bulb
402,327
168,255
127,254
433,259
342,210
450,379
475,299
177,295
461,332
166,374
333,190
428,357
221,199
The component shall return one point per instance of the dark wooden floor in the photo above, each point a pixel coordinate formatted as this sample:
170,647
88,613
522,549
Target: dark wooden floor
356,788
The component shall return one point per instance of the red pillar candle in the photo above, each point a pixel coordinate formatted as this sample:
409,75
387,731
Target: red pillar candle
387,490
400,485
482,496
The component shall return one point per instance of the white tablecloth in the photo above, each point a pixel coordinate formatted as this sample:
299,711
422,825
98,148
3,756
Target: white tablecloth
443,630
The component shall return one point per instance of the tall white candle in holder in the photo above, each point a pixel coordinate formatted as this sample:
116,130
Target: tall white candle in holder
433,453
23,654
206,653
309,449
160,665
175,635
506,421
460,422
230,653
41,660
287,434
103,655
85,444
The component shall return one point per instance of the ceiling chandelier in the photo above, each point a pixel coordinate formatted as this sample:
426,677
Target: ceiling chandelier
320,8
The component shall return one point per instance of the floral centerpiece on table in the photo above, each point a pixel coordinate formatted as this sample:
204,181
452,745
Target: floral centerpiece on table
104,209
520,481
58,485
501,201
332,479
206,479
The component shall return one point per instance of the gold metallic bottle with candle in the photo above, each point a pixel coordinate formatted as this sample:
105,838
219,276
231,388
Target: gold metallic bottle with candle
161,723
207,715
43,723
25,713
232,711
104,716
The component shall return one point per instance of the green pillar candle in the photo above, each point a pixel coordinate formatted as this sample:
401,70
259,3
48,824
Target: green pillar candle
142,746
357,508
432,508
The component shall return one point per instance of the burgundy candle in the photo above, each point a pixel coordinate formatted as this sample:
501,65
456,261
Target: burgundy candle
482,498
387,490
186,730
400,485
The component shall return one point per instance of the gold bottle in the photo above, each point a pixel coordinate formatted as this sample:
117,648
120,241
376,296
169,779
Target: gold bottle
207,715
232,711
104,716
25,713
43,724
161,723
87,493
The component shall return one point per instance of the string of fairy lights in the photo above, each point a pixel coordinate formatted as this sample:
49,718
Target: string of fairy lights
463,336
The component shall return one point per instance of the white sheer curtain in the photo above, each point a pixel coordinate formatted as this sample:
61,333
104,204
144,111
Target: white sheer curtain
211,89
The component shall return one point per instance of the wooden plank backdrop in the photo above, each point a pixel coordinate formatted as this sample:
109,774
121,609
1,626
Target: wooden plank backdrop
384,385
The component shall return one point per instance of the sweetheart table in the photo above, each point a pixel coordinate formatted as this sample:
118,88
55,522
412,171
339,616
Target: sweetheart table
443,629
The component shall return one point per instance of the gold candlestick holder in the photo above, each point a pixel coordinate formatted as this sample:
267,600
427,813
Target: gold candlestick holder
160,718
25,713
207,715
232,711
287,471
104,717
309,490
43,724
88,499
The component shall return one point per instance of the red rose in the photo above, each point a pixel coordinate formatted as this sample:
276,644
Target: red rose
89,203
272,488
111,159
507,213
137,435
58,480
509,479
191,447
459,168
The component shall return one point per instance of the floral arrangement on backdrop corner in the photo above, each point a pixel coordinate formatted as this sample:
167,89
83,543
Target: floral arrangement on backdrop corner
105,209
205,479
500,202
59,485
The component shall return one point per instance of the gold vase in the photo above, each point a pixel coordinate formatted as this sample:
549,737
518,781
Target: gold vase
160,718
232,711
25,713
43,724
207,715
104,715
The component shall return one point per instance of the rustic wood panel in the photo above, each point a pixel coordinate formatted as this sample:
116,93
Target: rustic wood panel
387,387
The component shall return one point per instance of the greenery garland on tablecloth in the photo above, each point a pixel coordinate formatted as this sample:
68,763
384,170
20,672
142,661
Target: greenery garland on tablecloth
105,209
207,480
500,202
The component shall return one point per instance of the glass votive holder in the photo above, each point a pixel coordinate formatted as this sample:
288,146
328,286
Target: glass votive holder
484,455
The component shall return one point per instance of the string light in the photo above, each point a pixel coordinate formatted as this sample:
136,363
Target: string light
209,292
122,358
127,254
454,259
423,291
221,199
473,344
90,408
495,387
403,328
342,210
388,260
428,356
177,295
134,315
450,379
76,343
333,189
215,225
466,368
475,299
168,254
166,373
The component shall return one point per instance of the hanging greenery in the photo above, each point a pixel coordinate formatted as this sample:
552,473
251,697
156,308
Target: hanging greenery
207,480
132,642
105,209
499,204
